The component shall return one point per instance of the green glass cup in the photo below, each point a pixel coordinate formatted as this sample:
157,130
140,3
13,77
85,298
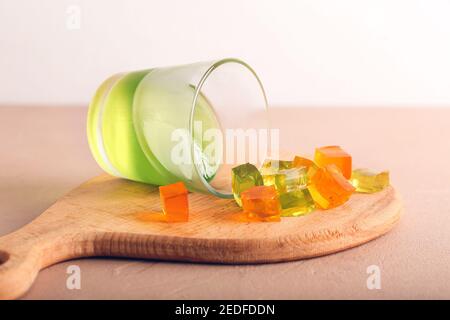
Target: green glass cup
163,125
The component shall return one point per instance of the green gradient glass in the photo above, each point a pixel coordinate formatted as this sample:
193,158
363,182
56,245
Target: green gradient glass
138,121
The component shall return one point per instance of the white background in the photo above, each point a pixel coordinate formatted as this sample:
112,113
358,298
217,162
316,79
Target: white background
307,52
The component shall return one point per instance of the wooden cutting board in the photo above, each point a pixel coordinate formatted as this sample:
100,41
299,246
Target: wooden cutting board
107,216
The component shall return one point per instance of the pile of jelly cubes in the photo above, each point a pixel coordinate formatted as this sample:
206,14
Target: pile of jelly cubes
298,187
287,188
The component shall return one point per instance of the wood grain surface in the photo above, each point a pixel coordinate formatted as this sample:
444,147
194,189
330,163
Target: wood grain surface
107,216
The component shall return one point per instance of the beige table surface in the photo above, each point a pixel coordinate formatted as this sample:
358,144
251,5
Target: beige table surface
44,154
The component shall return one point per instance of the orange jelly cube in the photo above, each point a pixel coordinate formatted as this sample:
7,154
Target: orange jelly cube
329,188
302,162
261,203
334,155
174,199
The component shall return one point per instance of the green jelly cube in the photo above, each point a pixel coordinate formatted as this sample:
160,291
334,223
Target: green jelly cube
296,203
244,177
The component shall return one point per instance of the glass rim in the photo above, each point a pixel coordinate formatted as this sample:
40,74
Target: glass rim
214,66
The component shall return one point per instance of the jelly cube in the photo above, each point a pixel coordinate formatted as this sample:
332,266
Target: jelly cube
290,184
296,203
286,179
369,181
174,199
270,168
303,162
261,203
334,155
307,163
244,177
329,188
276,164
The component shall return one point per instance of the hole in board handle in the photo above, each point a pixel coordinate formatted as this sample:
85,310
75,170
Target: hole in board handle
4,256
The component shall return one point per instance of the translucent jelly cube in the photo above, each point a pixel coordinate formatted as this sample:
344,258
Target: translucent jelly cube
296,203
290,184
286,179
334,155
307,163
261,203
174,199
303,162
369,181
244,177
276,164
329,188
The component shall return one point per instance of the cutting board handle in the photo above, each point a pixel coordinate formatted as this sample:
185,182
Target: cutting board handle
20,262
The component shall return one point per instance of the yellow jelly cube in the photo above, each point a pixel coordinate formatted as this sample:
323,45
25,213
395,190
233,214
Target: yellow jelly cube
369,181
276,164
286,179
305,162
290,185
270,168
